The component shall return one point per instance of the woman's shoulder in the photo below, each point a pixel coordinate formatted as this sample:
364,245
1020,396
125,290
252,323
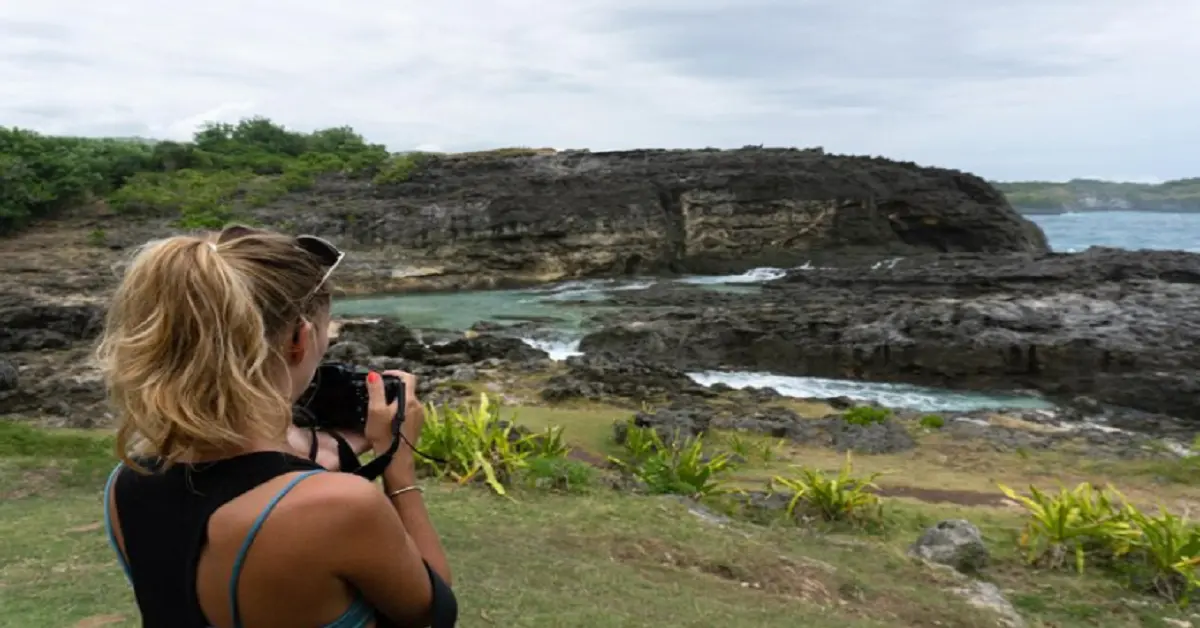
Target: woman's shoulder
328,492
327,502
321,509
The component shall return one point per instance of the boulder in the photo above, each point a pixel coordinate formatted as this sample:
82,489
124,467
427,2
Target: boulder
606,376
9,376
955,543
28,324
483,347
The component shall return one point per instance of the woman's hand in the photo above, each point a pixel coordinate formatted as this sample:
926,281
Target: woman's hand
300,440
380,413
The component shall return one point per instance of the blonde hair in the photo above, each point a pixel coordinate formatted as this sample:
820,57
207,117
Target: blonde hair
191,350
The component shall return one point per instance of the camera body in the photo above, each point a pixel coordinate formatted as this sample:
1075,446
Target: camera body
337,397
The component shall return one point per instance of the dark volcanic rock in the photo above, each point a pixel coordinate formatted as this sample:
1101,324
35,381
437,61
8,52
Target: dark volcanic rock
603,377
676,424
384,337
483,347
1122,327
687,418
29,325
59,384
9,376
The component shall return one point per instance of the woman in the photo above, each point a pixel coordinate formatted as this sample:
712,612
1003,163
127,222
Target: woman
218,522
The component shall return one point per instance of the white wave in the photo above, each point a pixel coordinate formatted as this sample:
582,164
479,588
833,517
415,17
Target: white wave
585,290
754,275
890,395
559,349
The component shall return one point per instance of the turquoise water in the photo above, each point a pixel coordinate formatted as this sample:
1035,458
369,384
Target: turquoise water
556,306
458,311
558,320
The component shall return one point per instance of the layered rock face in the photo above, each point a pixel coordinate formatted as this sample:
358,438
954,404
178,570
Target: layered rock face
1121,327
485,221
490,221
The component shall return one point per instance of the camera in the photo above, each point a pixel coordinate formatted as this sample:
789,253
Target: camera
337,397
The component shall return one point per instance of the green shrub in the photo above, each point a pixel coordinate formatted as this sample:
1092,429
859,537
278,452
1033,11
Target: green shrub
475,443
1166,554
753,449
1072,524
836,498
679,466
41,175
1158,553
203,182
866,415
97,237
399,168
932,422
559,474
740,446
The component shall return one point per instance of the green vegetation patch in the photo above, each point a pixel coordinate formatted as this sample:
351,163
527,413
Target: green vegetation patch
204,182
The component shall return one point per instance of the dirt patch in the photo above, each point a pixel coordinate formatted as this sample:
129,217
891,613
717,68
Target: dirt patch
944,496
32,482
811,581
99,620
588,457
91,527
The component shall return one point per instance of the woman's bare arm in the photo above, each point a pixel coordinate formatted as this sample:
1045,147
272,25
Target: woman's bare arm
370,547
410,505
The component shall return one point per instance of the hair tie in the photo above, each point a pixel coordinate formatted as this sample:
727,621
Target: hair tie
213,246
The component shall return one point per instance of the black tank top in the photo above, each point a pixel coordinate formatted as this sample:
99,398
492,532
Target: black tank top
164,521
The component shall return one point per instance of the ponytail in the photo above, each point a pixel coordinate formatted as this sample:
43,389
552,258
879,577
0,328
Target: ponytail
190,362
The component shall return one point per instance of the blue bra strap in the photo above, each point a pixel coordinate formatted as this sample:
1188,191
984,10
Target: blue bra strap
241,555
108,526
358,615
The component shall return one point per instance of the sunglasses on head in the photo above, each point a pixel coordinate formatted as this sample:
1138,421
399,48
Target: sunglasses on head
329,255
326,253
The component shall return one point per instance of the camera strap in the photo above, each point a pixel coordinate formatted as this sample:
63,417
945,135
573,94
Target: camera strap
348,461
376,467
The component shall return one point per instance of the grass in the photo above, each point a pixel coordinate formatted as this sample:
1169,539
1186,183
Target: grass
600,559
940,462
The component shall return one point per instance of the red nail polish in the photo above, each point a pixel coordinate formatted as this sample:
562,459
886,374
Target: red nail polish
372,377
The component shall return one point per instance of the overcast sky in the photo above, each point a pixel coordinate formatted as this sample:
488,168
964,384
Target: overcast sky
1009,89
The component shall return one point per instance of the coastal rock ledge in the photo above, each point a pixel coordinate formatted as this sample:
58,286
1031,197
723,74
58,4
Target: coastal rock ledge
476,221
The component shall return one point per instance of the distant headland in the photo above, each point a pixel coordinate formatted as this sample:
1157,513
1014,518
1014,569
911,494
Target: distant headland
1090,195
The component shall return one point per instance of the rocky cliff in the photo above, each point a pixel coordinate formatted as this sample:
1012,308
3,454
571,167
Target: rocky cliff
469,221
491,220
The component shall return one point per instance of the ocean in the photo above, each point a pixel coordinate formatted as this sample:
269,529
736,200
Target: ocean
560,338
1077,231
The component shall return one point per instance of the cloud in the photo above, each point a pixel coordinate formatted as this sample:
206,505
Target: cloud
1019,89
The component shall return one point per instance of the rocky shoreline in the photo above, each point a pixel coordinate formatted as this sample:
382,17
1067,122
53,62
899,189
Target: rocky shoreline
1115,326
914,275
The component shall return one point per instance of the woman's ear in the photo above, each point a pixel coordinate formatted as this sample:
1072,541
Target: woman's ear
301,342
